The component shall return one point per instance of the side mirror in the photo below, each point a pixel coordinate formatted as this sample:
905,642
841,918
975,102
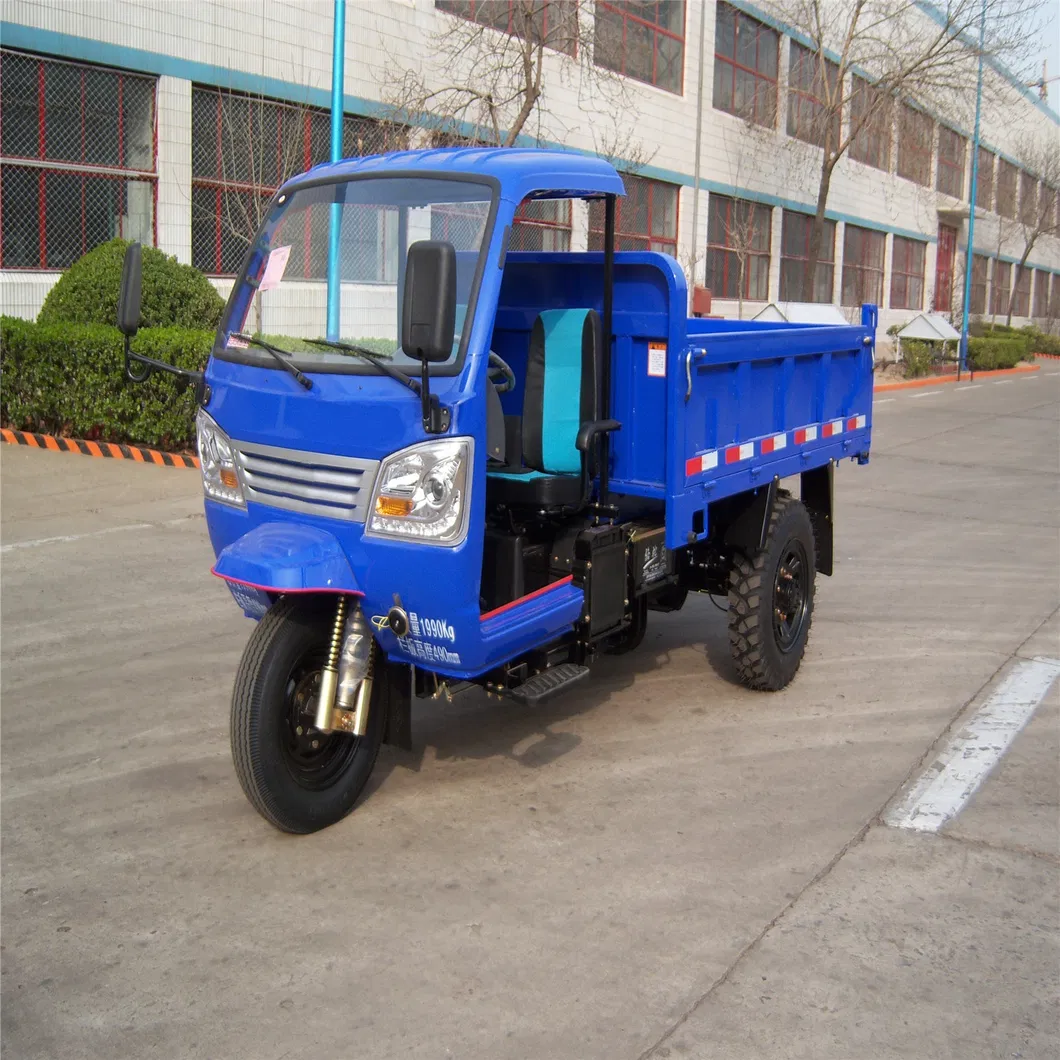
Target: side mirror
428,317
129,298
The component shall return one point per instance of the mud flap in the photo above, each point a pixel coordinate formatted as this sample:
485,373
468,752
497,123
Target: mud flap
816,494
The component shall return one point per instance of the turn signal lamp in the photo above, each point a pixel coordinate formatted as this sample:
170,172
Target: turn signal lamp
394,506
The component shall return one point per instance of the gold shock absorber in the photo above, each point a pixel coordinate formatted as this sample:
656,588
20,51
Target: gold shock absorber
364,696
329,676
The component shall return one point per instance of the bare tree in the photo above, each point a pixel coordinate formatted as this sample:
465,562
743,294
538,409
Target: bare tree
907,55
487,72
1039,209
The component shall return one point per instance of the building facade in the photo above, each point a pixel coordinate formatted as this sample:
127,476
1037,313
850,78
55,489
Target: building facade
172,123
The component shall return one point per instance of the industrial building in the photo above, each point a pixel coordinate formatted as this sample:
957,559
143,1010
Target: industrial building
146,120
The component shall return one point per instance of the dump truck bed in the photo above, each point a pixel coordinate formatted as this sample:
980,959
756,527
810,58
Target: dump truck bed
709,408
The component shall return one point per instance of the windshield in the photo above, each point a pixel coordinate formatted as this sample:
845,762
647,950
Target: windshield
329,264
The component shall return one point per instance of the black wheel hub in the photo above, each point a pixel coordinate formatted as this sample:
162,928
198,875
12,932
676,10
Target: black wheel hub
314,758
791,595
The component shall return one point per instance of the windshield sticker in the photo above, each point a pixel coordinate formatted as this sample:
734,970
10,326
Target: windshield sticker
236,343
274,269
657,360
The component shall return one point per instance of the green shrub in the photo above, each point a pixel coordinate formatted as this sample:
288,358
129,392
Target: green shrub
174,295
1004,351
1042,342
67,379
917,358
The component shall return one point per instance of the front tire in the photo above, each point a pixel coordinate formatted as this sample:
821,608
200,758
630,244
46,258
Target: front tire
298,778
771,600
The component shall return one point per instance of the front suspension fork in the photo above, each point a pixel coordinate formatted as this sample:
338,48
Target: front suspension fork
347,677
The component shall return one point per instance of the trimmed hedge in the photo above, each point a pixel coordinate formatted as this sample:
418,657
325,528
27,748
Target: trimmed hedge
1003,351
173,295
917,358
66,379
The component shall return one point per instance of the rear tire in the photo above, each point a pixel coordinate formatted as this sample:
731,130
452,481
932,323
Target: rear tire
771,600
295,786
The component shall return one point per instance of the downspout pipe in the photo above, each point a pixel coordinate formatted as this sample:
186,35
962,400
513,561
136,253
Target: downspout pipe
338,81
973,191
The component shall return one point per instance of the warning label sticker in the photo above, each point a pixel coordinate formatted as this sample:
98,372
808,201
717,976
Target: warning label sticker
657,360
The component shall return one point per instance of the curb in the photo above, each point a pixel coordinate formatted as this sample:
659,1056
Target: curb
109,449
1048,356
912,384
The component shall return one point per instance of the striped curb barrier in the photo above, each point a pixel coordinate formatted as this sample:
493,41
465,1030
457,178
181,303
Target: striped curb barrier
1048,356
934,380
109,449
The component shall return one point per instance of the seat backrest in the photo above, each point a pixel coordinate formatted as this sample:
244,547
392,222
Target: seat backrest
561,388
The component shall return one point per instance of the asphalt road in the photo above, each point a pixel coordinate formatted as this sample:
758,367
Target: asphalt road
662,864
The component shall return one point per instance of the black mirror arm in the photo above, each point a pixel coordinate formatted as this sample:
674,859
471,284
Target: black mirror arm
435,414
152,365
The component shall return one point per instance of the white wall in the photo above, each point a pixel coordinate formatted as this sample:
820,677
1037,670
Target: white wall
285,49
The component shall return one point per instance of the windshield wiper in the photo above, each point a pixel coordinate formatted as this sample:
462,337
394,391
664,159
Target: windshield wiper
373,357
280,355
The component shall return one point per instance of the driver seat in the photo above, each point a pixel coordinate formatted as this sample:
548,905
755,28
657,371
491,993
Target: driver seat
560,398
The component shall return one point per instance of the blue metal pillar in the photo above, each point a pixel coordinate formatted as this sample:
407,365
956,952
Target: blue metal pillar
973,190
338,81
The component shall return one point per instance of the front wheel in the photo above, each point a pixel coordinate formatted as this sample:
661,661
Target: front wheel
298,778
771,600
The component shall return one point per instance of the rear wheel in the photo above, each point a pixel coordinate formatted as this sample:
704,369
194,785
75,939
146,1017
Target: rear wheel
298,778
771,600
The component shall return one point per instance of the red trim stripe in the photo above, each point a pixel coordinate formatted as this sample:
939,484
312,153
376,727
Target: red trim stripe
693,466
529,596
732,454
276,589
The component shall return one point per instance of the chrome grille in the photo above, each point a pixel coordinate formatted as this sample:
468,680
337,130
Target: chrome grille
339,487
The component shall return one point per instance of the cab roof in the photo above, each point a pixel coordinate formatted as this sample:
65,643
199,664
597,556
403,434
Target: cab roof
522,172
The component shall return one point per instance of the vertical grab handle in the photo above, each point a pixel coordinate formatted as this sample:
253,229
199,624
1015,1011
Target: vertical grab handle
688,375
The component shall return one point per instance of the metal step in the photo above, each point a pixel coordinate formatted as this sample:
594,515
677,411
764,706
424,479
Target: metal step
543,686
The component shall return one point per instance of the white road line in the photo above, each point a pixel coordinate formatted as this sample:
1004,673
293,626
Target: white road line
974,386
926,393
64,538
1000,382
882,401
942,791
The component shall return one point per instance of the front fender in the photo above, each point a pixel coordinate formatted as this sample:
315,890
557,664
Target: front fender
287,558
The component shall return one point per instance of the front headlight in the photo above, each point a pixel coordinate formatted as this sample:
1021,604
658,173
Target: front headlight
422,492
220,476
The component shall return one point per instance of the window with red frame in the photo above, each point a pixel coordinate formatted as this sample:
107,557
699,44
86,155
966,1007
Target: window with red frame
242,149
950,177
1007,186
915,133
1028,199
643,39
871,113
1002,287
1048,209
542,224
738,232
863,252
78,159
980,278
795,253
907,273
809,116
984,186
1041,295
552,22
745,66
1021,297
645,217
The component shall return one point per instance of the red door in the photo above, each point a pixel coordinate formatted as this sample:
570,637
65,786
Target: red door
944,269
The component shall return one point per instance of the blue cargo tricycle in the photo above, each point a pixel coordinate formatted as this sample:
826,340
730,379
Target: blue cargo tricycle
439,449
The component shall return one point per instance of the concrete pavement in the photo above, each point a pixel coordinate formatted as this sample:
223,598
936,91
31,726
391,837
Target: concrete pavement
662,864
